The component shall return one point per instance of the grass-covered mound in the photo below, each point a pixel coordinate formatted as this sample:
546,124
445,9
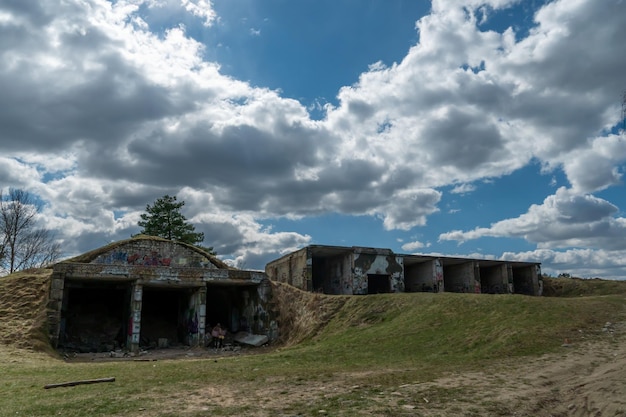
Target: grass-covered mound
575,287
23,299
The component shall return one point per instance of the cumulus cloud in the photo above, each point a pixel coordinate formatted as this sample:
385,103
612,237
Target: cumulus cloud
586,263
565,219
414,246
463,189
200,8
106,107
599,167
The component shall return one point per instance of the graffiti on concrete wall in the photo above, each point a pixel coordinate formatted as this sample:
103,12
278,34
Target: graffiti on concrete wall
121,257
371,263
153,258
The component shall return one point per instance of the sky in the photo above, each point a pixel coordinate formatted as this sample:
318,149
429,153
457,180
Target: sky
476,128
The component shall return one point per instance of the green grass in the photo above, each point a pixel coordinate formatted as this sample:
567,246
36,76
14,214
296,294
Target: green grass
372,345
576,287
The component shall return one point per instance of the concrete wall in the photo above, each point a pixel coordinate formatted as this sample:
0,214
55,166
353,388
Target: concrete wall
366,262
526,279
294,269
495,279
426,276
461,277
146,252
172,267
336,273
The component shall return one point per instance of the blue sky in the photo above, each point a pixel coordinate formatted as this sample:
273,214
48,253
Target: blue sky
485,128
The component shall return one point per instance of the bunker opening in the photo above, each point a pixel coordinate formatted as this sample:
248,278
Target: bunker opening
457,276
378,283
421,275
523,282
232,306
94,316
494,279
168,317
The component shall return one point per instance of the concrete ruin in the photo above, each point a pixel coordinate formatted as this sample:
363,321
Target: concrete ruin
358,270
151,292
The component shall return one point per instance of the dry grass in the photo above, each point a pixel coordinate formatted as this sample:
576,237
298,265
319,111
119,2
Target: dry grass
303,314
23,299
576,287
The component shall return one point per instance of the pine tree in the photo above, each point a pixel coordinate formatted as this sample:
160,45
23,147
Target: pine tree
164,219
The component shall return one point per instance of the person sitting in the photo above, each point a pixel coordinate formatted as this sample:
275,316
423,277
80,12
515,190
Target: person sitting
218,336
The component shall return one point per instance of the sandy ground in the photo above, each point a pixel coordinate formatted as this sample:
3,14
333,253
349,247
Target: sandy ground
587,379
582,379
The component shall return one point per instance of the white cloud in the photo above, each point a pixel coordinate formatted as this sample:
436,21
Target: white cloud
108,110
599,167
584,263
201,8
414,246
463,189
565,219
410,208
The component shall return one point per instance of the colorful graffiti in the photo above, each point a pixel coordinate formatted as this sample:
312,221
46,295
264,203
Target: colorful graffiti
120,257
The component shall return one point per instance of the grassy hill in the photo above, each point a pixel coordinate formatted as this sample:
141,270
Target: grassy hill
23,298
337,353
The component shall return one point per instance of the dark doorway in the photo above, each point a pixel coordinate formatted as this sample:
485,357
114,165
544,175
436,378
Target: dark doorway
219,306
164,315
318,273
94,317
378,283
523,281
493,280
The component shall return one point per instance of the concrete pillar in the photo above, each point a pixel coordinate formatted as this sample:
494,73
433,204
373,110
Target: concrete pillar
134,323
197,307
54,308
509,277
477,284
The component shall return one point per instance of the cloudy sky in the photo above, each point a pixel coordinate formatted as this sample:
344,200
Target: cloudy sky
488,128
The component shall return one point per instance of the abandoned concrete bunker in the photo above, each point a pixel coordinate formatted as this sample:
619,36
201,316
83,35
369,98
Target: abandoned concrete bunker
359,270
148,292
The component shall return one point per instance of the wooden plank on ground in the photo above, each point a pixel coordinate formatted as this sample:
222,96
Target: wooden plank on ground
81,382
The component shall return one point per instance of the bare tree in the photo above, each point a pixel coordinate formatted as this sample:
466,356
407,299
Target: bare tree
24,244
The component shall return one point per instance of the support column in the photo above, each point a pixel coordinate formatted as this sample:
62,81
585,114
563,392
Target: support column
197,307
134,322
54,308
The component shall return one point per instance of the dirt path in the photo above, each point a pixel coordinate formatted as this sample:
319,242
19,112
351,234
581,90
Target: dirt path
586,379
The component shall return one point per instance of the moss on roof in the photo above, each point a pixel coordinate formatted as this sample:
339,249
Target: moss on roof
88,257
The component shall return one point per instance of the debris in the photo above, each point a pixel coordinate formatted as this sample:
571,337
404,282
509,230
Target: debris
251,339
81,382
